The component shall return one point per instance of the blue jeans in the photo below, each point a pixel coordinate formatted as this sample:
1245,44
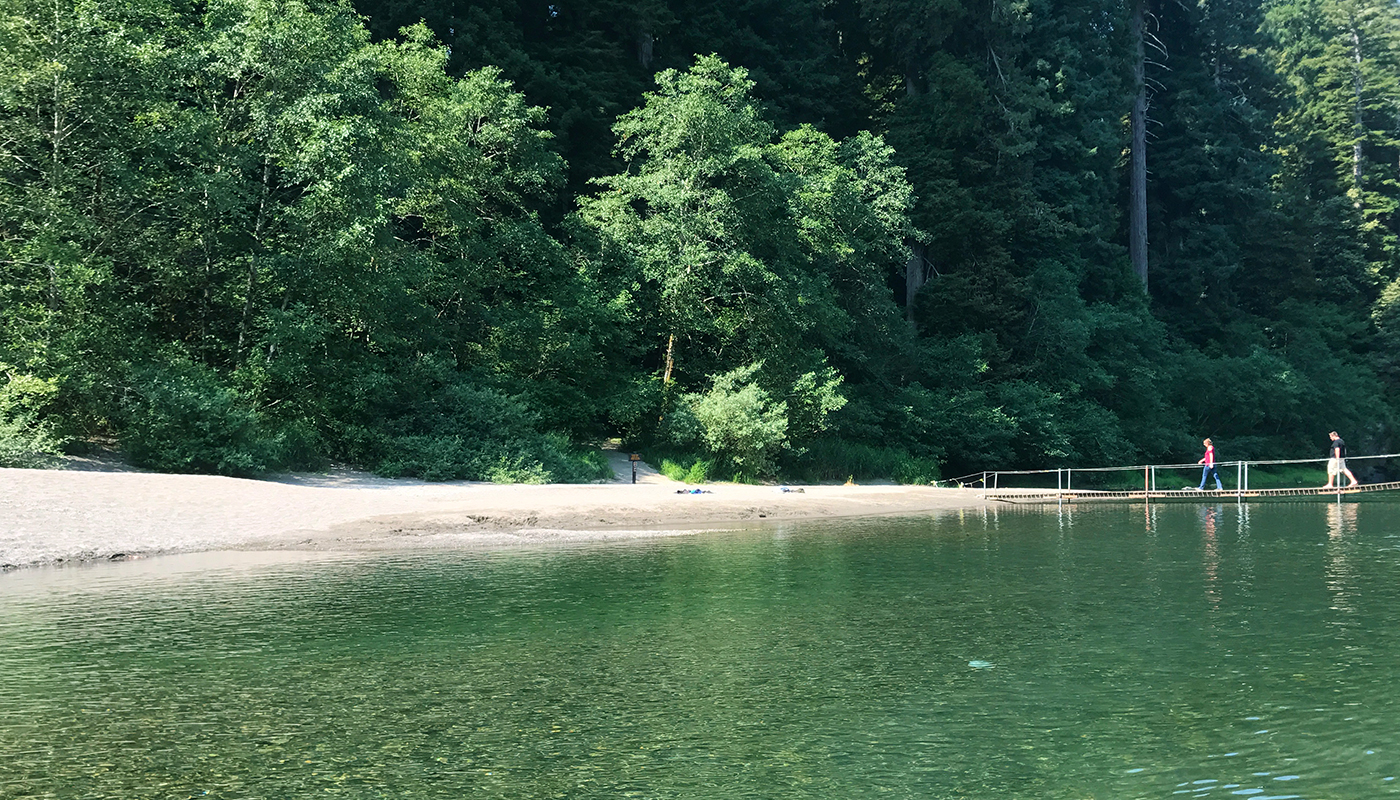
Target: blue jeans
1209,472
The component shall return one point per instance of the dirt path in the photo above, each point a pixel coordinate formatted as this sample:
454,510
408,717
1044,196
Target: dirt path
621,464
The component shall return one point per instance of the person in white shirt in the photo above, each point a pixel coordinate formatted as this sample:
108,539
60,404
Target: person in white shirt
1337,462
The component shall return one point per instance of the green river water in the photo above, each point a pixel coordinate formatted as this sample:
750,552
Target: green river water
1106,652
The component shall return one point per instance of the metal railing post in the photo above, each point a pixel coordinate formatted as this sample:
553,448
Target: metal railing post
1239,471
1069,480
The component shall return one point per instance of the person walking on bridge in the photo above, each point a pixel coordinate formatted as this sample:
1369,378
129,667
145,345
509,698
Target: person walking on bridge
1337,462
1208,471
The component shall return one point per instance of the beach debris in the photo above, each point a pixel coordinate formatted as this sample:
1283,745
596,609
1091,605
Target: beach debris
789,489
694,491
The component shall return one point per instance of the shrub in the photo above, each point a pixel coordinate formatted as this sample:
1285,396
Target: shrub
466,432
679,426
569,463
740,423
837,460
914,470
26,444
812,400
299,445
179,417
632,409
25,440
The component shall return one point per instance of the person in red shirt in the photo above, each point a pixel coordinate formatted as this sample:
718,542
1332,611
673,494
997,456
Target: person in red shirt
1209,470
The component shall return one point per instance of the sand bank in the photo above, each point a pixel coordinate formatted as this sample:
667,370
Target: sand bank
49,516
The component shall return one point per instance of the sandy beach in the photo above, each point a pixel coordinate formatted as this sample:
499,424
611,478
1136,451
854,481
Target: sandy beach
54,516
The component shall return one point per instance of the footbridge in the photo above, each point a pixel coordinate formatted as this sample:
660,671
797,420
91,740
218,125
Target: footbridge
1176,482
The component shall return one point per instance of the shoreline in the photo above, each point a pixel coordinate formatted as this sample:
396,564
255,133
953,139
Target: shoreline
60,516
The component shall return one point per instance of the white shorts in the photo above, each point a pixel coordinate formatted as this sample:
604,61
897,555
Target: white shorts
1335,466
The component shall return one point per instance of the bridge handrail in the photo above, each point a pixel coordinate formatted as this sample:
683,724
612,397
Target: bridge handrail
980,475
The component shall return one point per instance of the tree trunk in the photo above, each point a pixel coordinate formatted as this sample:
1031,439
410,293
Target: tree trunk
670,360
253,257
1137,211
915,276
1358,85
56,143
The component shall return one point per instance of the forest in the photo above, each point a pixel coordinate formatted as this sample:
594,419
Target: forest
754,239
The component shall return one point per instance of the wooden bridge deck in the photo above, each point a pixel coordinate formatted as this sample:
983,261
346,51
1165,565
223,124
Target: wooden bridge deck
1083,495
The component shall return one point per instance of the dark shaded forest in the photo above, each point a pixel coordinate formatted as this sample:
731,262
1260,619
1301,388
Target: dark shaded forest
808,239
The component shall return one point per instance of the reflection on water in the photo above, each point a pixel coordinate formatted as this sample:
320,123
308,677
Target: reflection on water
1072,652
1341,526
1211,556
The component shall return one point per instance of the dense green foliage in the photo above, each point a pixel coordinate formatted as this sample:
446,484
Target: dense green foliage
26,440
468,238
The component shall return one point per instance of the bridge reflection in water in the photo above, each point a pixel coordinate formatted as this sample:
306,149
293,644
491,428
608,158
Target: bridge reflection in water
1215,495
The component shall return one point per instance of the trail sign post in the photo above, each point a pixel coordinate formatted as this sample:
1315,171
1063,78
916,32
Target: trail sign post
634,458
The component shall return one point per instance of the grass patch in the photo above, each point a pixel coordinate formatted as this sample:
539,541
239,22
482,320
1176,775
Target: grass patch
687,470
